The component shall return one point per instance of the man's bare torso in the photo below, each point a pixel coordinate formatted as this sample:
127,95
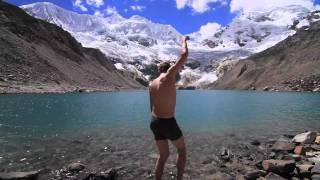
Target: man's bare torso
163,96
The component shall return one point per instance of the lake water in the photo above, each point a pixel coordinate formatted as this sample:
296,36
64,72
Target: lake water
197,111
109,130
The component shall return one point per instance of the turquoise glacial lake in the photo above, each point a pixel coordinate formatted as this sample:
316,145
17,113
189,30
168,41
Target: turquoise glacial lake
34,115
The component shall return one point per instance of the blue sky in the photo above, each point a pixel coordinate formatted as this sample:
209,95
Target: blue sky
185,15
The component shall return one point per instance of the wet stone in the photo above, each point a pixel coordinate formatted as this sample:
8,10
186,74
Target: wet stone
283,146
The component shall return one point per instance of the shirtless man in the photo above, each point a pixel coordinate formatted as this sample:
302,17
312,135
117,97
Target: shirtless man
162,103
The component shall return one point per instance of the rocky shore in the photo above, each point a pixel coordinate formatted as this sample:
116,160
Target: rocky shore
307,84
106,156
12,88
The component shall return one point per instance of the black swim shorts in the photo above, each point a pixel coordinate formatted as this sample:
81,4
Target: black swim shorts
165,128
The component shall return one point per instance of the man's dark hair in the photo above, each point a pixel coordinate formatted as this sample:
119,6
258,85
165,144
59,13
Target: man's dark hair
163,68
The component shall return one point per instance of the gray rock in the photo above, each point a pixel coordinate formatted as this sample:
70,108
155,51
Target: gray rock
219,176
295,157
261,178
225,154
281,155
273,176
255,143
32,175
83,91
315,147
272,155
315,177
304,171
75,167
282,167
295,178
315,159
305,138
316,169
112,174
282,146
316,90
254,174
266,88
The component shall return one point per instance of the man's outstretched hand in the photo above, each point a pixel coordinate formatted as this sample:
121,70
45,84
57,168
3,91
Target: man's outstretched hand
185,38
184,53
174,70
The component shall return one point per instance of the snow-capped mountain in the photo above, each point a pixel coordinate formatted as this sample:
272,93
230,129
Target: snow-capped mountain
257,30
138,44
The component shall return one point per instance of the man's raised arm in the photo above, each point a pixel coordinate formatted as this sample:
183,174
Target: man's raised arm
173,70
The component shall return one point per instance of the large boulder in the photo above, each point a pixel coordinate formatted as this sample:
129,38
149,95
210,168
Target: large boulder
32,175
283,146
282,167
305,138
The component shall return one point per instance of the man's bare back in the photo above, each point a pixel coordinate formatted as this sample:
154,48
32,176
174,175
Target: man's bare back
163,94
162,105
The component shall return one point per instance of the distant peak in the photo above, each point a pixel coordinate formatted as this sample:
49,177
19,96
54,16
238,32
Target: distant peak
139,18
40,4
114,18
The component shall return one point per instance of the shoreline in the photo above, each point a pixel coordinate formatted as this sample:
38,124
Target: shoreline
132,155
54,89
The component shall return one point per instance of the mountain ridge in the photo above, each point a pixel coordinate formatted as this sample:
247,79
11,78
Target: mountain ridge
37,56
136,46
291,65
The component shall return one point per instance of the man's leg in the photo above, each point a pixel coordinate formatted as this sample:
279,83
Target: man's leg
163,148
182,156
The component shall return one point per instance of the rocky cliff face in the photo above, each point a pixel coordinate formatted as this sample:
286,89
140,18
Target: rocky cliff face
36,56
291,65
